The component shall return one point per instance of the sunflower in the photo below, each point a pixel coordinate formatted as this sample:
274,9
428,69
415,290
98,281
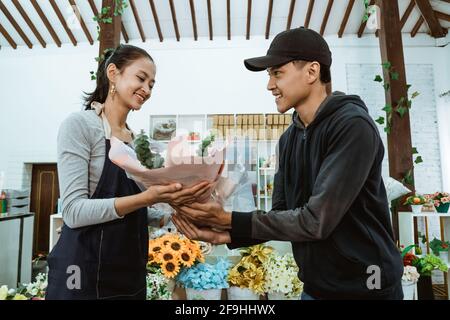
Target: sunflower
168,254
176,245
154,246
170,269
187,258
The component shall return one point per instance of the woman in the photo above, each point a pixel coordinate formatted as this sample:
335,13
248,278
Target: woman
102,251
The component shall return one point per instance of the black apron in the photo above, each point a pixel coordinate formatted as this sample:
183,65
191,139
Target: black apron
111,257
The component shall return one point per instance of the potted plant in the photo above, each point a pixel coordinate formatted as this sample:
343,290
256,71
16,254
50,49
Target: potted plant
441,201
440,248
246,278
416,202
424,265
281,281
205,281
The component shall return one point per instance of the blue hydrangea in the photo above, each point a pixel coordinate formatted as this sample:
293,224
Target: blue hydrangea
203,276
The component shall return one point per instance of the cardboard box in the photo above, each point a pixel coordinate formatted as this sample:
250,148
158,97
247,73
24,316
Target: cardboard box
261,119
250,120
275,119
270,119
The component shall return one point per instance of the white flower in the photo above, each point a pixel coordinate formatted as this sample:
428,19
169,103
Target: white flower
410,274
3,292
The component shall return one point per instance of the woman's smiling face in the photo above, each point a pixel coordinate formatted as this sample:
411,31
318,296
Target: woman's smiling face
135,83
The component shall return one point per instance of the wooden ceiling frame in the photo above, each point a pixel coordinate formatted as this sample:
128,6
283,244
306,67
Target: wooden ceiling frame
249,19
309,13
63,21
77,13
290,14
194,19
269,18
46,22
362,27
7,36
15,25
326,16
348,11
430,18
156,20
137,19
29,23
210,26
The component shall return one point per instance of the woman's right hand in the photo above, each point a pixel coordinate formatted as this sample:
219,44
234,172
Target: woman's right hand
175,194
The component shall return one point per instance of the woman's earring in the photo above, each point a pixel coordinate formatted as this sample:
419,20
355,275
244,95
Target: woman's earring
113,89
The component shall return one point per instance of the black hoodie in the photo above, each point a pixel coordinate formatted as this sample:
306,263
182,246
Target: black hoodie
329,200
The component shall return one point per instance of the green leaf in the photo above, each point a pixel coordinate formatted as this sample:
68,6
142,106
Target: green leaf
414,150
387,130
394,75
378,78
407,249
414,95
401,111
380,120
387,108
407,87
386,86
387,65
418,160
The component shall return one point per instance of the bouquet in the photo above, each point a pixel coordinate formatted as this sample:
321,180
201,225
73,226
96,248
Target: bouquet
410,274
157,285
204,276
184,163
171,252
281,275
424,265
249,271
440,198
34,291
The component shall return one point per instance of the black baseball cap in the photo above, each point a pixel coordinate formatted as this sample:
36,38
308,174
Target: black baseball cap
295,44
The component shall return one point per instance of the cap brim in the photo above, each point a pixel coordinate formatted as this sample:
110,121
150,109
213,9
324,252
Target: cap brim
264,62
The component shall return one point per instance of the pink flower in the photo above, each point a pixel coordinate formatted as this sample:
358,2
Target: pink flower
436,203
445,200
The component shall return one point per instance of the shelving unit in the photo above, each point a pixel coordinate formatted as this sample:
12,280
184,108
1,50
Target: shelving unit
406,232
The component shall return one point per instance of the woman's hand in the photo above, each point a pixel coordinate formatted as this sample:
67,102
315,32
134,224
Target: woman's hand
174,194
210,213
194,232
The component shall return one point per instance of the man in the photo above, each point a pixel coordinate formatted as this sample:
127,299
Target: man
329,198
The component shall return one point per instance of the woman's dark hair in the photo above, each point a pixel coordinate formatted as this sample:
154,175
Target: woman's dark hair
122,56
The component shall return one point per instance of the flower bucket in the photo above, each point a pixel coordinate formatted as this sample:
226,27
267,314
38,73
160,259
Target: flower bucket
236,293
416,208
425,288
210,294
277,295
409,290
443,208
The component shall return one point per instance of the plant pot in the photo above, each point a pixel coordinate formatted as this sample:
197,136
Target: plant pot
210,294
425,288
277,295
409,290
236,293
443,208
416,208
444,256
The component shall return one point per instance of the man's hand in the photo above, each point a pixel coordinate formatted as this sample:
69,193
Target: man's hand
210,213
193,232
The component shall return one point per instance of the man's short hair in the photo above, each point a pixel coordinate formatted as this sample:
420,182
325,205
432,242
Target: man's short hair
325,73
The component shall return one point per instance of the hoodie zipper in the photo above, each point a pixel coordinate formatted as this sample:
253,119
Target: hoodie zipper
304,155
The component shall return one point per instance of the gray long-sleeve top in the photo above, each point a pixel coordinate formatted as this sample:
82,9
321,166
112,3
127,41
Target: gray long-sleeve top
81,154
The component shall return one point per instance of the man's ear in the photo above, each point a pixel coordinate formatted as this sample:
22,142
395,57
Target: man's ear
313,72
111,72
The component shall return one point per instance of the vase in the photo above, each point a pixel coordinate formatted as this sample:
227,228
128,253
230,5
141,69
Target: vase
425,288
236,293
444,256
443,208
277,295
416,208
409,290
209,294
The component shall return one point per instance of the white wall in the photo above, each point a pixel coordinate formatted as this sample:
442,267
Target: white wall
40,87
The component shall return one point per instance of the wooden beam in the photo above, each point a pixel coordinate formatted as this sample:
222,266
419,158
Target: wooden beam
407,13
8,38
229,19
63,22
29,22
15,25
309,13
345,19
95,11
269,18
291,13
137,19
77,13
109,32
155,18
399,140
325,17
364,23
174,19
208,4
442,16
46,22
194,20
417,26
430,18
249,18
